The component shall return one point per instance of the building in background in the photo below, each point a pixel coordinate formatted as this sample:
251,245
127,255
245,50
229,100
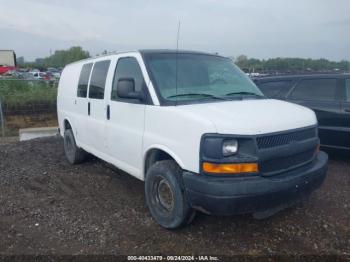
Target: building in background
20,60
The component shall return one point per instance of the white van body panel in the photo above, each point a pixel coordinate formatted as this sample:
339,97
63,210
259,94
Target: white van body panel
124,131
94,133
180,128
94,124
66,96
179,131
252,117
135,129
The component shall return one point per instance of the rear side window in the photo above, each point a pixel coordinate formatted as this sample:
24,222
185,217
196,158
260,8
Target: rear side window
275,88
347,89
127,67
98,79
84,80
315,89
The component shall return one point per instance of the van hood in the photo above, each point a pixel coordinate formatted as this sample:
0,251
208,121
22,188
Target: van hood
252,117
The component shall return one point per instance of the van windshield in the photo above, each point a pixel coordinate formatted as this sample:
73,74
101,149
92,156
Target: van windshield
193,77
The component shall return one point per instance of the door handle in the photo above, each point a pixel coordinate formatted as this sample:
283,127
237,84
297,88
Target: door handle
88,108
347,110
108,112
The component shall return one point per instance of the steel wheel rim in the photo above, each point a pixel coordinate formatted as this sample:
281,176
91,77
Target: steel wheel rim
164,195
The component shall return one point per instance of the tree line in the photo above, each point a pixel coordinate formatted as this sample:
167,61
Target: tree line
60,58
290,64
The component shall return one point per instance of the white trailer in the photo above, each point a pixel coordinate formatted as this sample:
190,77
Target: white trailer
7,58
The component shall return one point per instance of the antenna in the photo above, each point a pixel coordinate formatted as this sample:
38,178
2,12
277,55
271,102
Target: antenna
178,36
177,51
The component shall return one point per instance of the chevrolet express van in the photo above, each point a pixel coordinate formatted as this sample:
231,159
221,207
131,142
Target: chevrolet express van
195,128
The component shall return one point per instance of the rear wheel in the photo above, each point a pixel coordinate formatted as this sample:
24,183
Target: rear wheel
74,154
165,195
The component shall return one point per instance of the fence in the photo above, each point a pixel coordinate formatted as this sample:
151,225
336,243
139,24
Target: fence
26,103
2,121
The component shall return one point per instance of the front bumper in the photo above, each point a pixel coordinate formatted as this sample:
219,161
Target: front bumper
252,194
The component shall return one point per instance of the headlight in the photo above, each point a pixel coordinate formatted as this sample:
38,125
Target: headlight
229,147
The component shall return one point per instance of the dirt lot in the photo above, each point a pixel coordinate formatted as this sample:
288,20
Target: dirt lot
50,207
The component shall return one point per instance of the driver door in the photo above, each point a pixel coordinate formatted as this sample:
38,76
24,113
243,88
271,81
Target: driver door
125,120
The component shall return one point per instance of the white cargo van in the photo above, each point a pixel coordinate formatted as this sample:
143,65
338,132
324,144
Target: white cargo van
194,128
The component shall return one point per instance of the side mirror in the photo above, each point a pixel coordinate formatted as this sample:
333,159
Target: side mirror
126,89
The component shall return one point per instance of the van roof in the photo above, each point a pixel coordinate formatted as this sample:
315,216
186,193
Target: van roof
149,51
172,51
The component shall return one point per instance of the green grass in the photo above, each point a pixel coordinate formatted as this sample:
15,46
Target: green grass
17,93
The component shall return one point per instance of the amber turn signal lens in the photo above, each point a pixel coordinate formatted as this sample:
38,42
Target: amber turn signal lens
230,168
317,148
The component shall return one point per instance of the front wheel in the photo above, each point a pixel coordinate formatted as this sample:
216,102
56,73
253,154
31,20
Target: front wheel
165,195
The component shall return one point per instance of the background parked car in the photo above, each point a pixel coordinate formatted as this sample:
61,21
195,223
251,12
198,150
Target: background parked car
38,75
328,95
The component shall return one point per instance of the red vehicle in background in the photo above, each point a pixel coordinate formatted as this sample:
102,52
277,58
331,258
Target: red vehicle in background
5,69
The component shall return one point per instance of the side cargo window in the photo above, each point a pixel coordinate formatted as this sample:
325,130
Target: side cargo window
127,67
347,89
275,89
84,80
98,79
315,90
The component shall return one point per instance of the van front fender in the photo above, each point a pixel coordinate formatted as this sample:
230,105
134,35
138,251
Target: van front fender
164,149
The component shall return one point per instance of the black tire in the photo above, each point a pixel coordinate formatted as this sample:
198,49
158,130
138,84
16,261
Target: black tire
165,195
74,154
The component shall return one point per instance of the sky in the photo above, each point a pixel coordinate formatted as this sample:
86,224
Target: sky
256,28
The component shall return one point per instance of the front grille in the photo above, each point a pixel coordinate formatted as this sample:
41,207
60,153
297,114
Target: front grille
282,163
285,138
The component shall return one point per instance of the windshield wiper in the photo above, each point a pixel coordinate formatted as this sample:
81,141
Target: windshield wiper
243,93
197,94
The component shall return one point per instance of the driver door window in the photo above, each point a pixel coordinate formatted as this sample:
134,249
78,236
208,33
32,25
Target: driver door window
127,67
315,90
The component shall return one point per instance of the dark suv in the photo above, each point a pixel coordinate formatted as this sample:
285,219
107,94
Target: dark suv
328,95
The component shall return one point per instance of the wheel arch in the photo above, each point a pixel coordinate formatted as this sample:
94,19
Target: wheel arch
157,153
67,124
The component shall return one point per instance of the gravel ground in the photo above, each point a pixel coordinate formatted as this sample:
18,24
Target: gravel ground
48,206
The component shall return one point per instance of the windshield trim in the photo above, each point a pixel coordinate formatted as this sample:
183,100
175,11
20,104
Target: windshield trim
165,102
